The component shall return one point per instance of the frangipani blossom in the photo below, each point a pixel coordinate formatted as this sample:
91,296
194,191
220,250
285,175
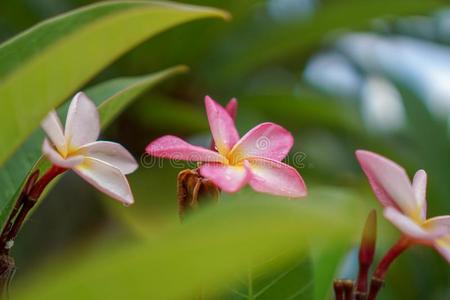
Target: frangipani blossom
254,159
102,164
405,202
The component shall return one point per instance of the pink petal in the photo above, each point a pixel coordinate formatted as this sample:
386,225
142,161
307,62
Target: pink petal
173,147
229,178
106,178
55,158
407,225
443,247
111,153
53,129
419,187
222,126
265,140
440,226
83,122
389,182
276,178
231,108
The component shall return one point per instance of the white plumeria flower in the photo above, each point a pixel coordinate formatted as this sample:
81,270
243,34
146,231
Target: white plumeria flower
102,164
404,202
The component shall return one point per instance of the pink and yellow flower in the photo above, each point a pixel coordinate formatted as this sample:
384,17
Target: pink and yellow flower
102,164
254,159
405,203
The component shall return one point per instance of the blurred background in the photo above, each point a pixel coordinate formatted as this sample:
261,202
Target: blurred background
340,75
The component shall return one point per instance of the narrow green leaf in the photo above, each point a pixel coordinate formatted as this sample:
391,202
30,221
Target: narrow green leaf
111,97
46,64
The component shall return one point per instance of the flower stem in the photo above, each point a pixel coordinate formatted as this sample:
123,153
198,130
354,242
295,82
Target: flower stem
338,286
29,196
382,268
348,289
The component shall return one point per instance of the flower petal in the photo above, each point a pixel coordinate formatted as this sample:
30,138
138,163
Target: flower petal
106,178
389,182
443,247
173,147
111,153
407,225
53,129
276,178
419,186
231,108
83,122
222,126
440,226
267,140
229,178
56,158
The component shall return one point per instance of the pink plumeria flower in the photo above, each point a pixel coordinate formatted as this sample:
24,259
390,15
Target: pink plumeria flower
254,159
102,164
405,202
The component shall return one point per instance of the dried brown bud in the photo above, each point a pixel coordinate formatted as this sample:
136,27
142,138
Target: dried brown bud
194,191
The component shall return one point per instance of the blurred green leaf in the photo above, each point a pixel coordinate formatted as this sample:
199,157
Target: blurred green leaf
326,259
261,43
205,254
293,281
305,110
164,112
46,64
111,97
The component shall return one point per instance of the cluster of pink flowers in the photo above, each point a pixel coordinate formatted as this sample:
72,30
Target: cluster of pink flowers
233,162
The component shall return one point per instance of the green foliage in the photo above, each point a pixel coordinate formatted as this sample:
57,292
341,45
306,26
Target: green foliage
250,245
204,254
46,64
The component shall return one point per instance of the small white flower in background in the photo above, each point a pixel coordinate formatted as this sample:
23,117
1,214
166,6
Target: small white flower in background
102,164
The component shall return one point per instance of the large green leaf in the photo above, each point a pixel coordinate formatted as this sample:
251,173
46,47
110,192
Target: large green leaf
292,281
46,64
202,256
111,97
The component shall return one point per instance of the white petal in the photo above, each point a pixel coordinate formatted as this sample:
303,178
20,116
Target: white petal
440,226
83,122
419,186
53,129
407,225
106,178
389,182
443,247
111,153
56,159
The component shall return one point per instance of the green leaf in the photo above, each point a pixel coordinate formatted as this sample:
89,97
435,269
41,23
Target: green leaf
111,97
46,64
203,255
326,261
293,281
